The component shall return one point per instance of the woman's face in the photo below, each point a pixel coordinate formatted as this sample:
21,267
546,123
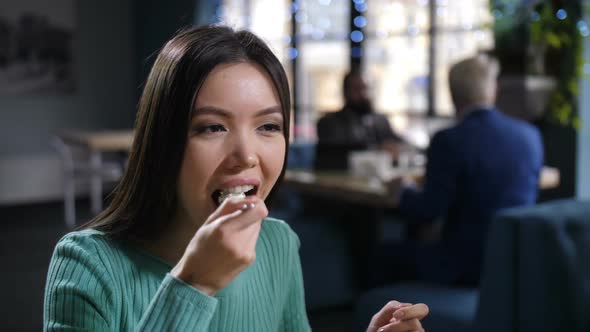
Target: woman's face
235,141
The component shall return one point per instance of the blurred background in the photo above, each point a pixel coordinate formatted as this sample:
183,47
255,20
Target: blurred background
79,65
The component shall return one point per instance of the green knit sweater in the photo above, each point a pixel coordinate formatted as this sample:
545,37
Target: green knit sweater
96,284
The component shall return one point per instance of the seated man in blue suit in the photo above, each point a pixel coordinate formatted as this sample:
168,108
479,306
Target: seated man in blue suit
486,162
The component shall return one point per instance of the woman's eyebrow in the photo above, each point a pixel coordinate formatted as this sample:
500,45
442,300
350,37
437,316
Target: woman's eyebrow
269,110
205,110
212,110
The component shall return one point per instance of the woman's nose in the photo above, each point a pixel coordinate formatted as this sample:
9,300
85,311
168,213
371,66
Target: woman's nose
243,154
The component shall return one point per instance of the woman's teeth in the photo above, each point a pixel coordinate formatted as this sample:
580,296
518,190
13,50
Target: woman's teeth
236,197
238,192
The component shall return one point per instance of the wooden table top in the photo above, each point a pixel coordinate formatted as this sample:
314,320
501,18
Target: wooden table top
340,186
343,186
100,140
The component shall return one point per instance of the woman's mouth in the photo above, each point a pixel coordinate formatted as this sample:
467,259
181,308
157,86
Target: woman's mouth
221,195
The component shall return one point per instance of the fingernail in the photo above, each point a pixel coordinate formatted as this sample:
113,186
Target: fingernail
393,320
252,205
244,207
381,329
398,314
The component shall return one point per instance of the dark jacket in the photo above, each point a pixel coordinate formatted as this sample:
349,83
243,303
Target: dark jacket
485,163
342,132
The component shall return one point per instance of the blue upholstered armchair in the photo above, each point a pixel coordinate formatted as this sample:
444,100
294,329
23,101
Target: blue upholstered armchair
536,277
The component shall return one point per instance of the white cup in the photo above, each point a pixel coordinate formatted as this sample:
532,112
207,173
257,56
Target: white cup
369,164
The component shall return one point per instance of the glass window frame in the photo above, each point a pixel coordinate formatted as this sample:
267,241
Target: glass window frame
433,29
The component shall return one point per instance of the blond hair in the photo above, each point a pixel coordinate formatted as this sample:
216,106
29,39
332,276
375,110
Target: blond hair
473,81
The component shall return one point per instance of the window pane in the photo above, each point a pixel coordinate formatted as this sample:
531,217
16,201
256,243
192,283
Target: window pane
268,19
235,13
396,63
271,20
397,49
396,55
464,30
322,19
322,70
387,17
323,54
463,14
397,68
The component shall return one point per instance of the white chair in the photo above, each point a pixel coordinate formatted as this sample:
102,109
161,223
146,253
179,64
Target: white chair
76,166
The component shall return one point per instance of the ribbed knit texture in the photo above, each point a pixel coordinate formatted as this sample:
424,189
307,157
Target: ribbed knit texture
96,284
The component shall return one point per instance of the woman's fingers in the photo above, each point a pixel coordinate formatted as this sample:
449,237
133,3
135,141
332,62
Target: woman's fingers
384,315
255,213
239,230
224,246
410,325
392,306
228,206
416,311
231,215
249,210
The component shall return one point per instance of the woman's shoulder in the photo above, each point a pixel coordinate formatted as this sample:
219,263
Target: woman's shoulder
87,244
87,238
279,231
85,252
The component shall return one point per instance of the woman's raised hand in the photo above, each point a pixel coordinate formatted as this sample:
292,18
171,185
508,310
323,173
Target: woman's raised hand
399,317
224,245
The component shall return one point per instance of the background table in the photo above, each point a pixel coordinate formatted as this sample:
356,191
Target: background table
341,185
95,143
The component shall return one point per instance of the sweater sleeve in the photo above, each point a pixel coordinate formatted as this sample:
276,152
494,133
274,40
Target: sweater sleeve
178,306
294,312
81,295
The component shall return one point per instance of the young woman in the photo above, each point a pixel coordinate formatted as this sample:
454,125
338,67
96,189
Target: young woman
185,244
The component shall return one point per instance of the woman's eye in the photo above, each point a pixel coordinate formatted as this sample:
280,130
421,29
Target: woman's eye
209,129
270,127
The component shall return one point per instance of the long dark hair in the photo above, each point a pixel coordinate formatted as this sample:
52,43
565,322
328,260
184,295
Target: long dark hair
145,200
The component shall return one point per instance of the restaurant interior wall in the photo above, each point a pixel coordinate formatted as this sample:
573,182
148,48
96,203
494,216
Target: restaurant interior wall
155,23
30,170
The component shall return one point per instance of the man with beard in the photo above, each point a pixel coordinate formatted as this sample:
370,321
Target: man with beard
356,127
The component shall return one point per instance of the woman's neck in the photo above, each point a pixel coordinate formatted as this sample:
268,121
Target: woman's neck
172,243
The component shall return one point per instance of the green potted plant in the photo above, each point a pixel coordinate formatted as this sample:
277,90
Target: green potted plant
539,45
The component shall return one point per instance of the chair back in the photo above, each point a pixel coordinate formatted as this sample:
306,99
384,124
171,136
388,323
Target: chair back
536,275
